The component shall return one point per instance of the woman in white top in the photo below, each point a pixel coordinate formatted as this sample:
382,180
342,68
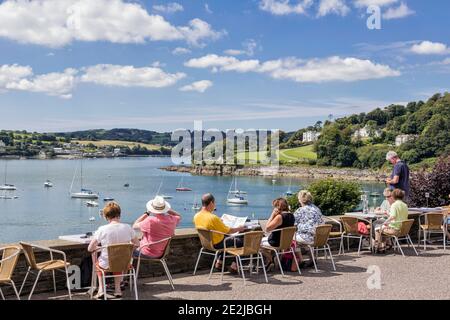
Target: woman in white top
112,233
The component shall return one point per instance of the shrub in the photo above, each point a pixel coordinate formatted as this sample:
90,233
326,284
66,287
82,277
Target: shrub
333,197
436,182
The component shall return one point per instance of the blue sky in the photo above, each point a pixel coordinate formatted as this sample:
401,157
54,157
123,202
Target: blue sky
80,64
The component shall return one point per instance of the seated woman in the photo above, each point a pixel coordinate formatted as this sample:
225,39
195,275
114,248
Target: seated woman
386,204
392,225
280,218
159,222
307,218
112,233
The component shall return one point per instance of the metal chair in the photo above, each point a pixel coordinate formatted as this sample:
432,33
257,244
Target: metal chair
403,234
161,259
434,224
51,265
251,247
120,258
286,237
8,263
351,231
335,235
206,237
321,244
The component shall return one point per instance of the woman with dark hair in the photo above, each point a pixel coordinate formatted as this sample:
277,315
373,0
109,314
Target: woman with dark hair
281,217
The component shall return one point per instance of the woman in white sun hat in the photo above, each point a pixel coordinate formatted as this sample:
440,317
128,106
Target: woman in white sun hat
157,223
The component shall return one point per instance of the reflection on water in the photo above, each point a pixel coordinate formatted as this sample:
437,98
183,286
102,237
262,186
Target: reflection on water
46,213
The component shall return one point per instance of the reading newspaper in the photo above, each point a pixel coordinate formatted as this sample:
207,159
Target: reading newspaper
233,221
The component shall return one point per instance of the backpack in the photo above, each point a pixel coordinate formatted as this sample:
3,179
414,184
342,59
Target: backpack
287,259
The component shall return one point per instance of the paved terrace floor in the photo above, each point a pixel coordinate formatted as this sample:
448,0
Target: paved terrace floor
424,277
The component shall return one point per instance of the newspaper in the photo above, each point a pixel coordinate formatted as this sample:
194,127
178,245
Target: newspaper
233,221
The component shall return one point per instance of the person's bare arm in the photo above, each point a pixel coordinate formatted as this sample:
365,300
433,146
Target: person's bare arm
394,180
93,245
174,213
234,230
137,223
274,223
136,242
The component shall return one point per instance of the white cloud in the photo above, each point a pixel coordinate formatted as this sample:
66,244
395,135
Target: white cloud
379,3
249,47
21,78
285,7
332,6
129,76
199,86
168,8
428,47
401,11
179,51
303,71
58,23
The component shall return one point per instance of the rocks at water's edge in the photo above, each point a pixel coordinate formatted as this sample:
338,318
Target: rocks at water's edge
282,171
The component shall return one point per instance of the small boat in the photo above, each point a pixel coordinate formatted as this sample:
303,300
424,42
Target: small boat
159,189
196,206
181,188
289,191
166,196
233,198
126,185
48,184
92,203
236,190
92,219
5,197
7,186
108,199
84,193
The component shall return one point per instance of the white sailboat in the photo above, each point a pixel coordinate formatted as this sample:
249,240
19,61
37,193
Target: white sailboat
92,203
289,191
6,186
159,190
196,205
236,198
84,193
106,199
236,190
48,183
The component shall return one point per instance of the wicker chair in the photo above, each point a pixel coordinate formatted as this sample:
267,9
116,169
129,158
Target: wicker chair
403,234
51,265
252,245
336,235
206,237
286,237
120,257
161,259
434,224
321,244
7,265
351,231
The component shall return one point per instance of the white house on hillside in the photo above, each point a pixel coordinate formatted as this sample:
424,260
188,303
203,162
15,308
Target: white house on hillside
403,138
310,136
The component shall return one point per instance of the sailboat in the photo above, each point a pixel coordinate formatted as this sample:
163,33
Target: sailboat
91,203
6,186
289,191
236,190
162,195
236,198
48,183
106,199
181,188
84,193
196,205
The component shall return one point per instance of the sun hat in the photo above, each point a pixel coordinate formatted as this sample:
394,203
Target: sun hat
158,205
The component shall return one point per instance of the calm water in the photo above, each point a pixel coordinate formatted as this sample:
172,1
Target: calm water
41,213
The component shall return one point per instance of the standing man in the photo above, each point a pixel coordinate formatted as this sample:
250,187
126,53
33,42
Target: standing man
400,174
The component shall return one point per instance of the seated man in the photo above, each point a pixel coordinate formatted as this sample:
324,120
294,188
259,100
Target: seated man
206,219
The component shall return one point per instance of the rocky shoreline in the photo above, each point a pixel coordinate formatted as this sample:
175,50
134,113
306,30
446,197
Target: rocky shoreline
282,171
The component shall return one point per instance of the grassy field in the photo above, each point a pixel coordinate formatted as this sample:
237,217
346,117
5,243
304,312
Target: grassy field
104,143
287,155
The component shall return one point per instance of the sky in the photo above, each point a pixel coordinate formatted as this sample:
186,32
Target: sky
69,65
